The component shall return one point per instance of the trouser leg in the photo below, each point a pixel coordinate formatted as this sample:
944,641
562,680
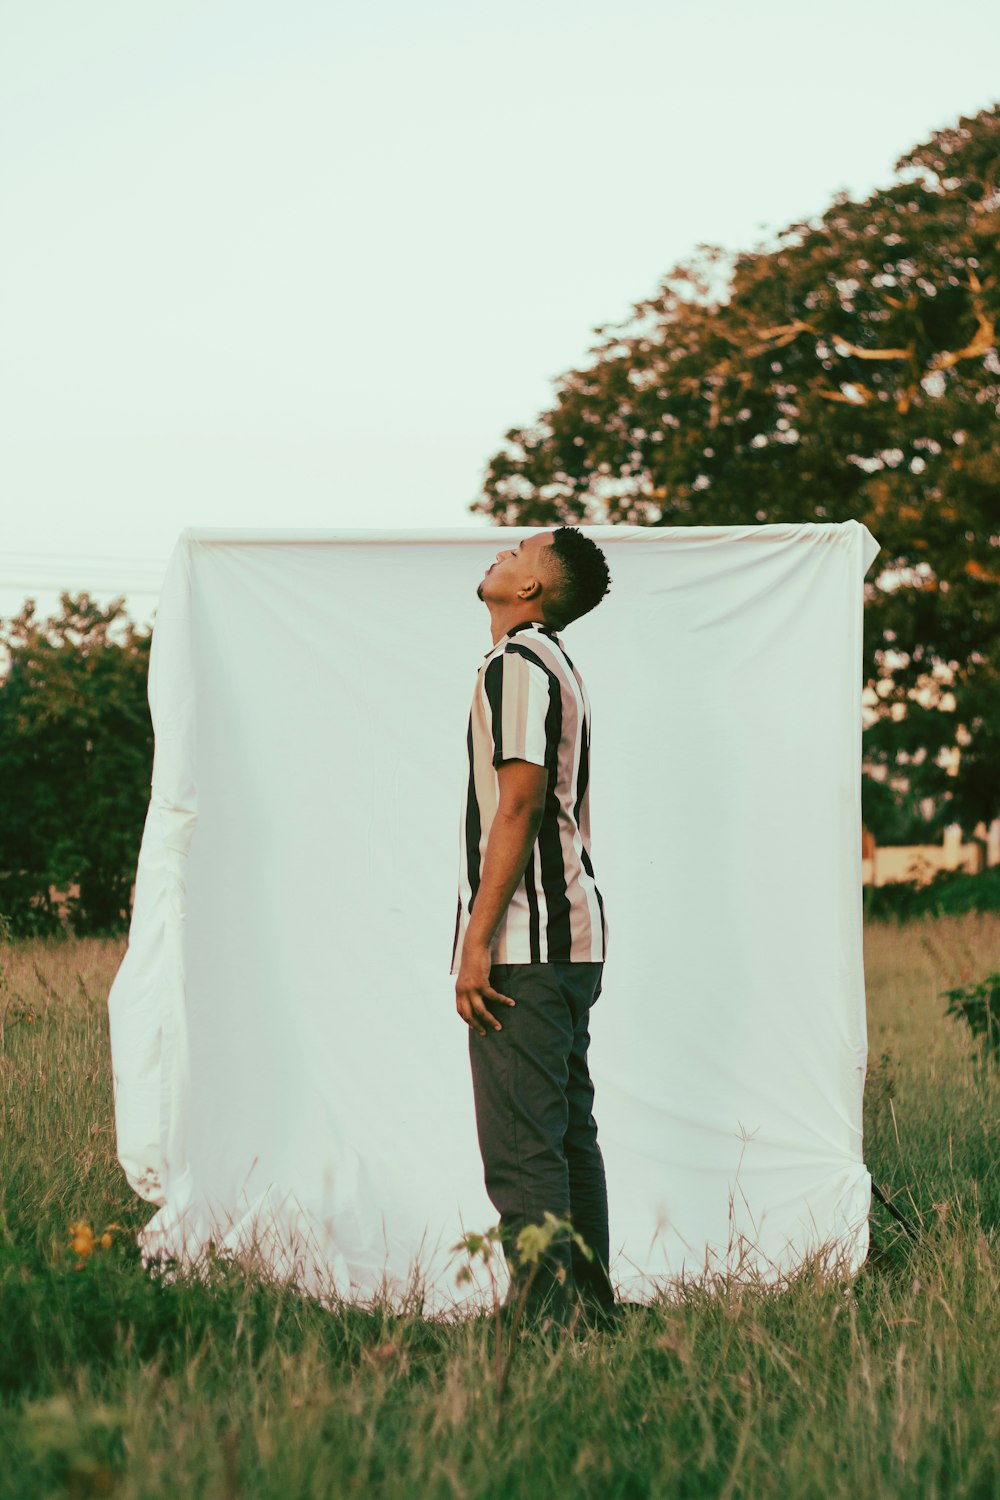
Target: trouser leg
537,1135
520,1077
585,1164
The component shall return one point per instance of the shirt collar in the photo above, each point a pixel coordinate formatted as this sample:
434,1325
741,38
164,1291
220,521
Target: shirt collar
523,625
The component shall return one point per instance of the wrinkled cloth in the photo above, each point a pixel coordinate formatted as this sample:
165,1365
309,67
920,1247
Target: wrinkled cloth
290,1074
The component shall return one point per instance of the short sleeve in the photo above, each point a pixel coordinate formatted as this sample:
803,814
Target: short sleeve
525,707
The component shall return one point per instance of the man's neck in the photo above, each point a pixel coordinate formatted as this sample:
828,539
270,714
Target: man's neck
500,627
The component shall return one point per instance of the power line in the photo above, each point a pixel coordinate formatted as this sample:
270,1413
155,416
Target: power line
18,585
49,572
101,558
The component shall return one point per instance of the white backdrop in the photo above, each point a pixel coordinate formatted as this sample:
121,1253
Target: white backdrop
288,1063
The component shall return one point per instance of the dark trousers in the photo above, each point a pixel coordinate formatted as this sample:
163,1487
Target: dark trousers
537,1132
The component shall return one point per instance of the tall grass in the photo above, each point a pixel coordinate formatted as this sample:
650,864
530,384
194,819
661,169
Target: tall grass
112,1382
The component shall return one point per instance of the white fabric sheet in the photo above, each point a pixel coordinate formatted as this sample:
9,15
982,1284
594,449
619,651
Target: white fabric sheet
289,1068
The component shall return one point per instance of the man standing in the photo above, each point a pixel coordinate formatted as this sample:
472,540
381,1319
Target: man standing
530,932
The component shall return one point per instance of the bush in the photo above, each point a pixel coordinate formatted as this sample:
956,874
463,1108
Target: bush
979,1007
950,893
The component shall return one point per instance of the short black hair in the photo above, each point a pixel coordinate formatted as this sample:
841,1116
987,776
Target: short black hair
578,577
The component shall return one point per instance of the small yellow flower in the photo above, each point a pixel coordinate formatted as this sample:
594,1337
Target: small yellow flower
83,1241
81,1237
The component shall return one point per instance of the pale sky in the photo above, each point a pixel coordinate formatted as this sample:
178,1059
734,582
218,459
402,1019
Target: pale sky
302,265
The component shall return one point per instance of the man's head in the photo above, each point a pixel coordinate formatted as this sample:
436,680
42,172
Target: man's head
555,576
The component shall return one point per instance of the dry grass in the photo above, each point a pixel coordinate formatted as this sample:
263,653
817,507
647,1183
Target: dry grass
114,1383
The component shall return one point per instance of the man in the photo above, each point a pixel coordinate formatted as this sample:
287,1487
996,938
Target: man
530,932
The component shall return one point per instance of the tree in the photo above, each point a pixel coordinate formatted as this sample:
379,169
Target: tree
848,371
76,746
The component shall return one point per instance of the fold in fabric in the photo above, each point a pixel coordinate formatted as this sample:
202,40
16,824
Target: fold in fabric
291,1078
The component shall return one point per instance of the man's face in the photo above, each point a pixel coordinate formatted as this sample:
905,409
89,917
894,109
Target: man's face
515,568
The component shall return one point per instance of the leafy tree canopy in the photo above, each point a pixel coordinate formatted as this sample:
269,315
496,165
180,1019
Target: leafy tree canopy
76,750
848,371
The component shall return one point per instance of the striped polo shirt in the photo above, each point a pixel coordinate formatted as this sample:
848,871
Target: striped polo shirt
530,704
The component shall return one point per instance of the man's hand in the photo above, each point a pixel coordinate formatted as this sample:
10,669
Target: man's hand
472,989
508,849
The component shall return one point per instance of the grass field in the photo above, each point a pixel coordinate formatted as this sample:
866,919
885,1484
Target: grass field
114,1383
